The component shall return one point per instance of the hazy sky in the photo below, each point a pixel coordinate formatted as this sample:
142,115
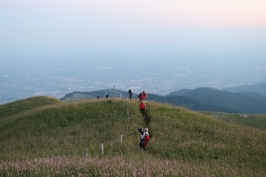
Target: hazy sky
174,29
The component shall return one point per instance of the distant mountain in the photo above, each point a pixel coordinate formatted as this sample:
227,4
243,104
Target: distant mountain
180,92
189,103
245,102
258,88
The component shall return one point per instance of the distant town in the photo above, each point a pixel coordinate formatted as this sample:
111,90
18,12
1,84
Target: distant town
26,79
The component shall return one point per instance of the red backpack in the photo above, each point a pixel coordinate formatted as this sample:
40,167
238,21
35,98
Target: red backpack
146,139
142,106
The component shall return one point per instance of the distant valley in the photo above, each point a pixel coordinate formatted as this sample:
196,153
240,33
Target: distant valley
28,78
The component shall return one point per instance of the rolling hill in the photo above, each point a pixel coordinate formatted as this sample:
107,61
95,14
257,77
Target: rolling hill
99,138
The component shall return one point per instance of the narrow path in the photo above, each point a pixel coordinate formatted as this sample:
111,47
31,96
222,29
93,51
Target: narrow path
147,120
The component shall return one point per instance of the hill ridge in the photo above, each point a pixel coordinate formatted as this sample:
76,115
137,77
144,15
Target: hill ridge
213,100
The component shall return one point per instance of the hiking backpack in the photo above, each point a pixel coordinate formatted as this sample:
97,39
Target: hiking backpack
146,139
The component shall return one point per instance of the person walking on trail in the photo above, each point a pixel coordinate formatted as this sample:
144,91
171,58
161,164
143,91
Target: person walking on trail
141,97
145,138
142,107
130,93
145,95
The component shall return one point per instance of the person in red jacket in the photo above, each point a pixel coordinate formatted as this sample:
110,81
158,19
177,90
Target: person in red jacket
144,139
145,95
142,107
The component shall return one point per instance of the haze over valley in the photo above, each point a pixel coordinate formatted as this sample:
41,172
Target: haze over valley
22,79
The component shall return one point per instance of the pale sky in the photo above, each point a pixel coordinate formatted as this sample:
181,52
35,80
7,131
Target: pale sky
42,29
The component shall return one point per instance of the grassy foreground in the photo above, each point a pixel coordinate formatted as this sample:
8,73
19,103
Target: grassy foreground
100,138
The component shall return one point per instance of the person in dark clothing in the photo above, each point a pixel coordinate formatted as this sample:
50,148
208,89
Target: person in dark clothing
145,137
141,97
106,95
130,93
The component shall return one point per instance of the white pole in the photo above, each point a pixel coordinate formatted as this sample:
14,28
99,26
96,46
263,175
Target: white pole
102,148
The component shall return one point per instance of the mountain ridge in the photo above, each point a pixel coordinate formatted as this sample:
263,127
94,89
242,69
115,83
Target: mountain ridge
258,88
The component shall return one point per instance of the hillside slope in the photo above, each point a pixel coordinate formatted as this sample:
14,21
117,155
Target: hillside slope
66,139
26,104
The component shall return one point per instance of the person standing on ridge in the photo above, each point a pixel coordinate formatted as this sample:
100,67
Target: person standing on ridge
145,138
106,95
141,97
130,93
145,95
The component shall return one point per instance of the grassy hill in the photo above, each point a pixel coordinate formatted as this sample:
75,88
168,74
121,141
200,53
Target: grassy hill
32,103
100,138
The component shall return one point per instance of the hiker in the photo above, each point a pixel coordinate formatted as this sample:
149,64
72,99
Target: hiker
141,97
98,97
142,107
145,137
106,95
130,93
145,95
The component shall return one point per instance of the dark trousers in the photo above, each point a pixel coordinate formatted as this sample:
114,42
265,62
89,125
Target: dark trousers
142,146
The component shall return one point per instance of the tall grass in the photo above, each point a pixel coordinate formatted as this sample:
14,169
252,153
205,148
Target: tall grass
65,140
138,165
253,120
